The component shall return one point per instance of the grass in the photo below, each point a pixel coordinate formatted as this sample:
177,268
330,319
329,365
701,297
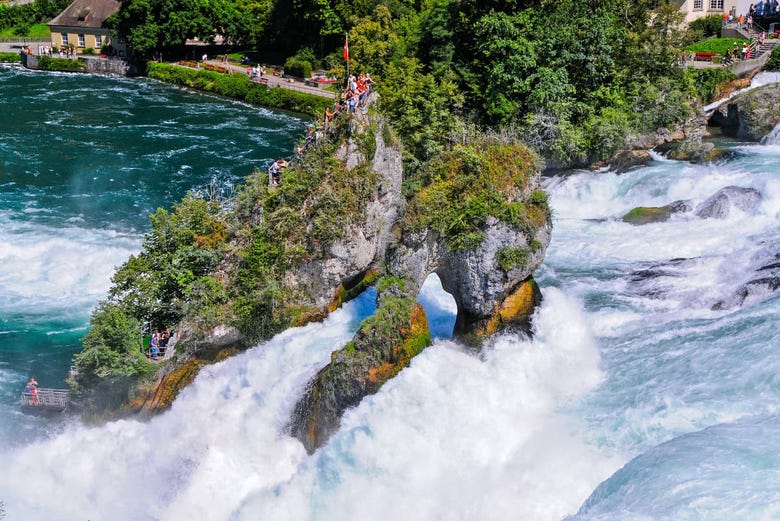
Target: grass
716,45
35,31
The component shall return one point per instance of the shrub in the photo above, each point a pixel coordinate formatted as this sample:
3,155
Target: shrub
61,64
707,26
89,51
707,82
296,67
9,57
773,64
464,186
238,86
509,257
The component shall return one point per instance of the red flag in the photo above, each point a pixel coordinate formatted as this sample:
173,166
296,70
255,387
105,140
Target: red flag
346,48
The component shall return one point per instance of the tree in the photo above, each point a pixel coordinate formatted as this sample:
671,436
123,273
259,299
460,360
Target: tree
165,25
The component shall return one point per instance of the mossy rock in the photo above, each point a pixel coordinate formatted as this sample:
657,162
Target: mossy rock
655,214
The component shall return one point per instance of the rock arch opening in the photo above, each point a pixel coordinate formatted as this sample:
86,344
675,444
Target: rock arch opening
440,307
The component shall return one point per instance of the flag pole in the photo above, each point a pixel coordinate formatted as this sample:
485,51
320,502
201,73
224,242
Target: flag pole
346,54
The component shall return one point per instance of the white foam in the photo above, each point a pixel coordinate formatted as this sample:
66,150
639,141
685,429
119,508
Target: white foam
44,268
456,436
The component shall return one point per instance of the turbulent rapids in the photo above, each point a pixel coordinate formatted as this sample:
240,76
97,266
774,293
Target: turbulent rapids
648,392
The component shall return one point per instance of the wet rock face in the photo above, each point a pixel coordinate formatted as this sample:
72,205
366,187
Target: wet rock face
383,346
751,115
719,205
363,245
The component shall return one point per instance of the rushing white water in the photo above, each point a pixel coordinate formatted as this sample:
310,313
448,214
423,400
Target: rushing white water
43,269
455,433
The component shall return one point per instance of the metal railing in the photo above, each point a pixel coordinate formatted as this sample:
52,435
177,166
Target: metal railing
47,399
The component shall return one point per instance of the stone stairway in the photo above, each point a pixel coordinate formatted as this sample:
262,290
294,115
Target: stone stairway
767,47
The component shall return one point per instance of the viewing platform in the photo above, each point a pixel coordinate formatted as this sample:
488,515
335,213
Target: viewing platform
54,400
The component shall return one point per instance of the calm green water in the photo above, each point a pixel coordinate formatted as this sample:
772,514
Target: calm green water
83,161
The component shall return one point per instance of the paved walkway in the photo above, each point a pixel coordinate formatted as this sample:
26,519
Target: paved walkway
277,81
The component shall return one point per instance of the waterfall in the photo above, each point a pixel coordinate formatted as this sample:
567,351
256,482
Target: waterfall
773,138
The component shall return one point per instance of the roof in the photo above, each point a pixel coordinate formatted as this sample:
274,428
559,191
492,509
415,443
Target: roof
86,13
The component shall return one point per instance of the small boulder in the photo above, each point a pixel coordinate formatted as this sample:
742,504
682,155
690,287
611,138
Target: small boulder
655,214
719,205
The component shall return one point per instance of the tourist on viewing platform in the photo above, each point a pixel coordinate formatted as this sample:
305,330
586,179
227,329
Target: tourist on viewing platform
32,389
154,345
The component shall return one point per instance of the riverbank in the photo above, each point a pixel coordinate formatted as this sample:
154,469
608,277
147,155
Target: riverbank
240,87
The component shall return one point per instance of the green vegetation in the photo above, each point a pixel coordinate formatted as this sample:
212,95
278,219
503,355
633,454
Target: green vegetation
574,92
178,272
29,19
716,45
567,79
509,257
708,26
61,64
773,64
9,57
461,188
238,86
39,30
707,83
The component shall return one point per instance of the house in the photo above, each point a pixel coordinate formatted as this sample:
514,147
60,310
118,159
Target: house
82,25
695,9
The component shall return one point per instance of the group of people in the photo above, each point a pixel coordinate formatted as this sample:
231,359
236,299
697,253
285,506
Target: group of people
159,342
352,97
31,389
730,17
737,54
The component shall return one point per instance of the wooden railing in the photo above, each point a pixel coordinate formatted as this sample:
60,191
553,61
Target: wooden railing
56,399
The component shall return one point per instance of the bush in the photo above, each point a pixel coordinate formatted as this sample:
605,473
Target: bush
773,64
298,68
61,64
707,82
238,86
707,26
89,51
10,57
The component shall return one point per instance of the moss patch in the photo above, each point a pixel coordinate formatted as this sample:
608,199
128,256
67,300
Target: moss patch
462,187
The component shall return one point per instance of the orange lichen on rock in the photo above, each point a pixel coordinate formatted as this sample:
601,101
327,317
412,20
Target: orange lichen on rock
517,306
160,395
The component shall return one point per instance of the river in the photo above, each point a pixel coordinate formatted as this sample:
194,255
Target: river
649,390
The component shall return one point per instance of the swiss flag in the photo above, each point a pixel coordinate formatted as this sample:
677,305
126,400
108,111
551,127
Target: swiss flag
346,48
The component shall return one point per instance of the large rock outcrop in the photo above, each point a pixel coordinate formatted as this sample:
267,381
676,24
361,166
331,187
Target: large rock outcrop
485,262
750,115
340,222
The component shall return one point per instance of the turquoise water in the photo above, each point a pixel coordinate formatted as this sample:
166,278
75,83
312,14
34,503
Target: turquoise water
84,160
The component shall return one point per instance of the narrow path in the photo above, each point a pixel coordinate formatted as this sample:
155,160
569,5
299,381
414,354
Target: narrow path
276,81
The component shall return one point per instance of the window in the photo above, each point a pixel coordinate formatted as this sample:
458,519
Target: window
716,5
698,5
99,40
64,39
82,43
